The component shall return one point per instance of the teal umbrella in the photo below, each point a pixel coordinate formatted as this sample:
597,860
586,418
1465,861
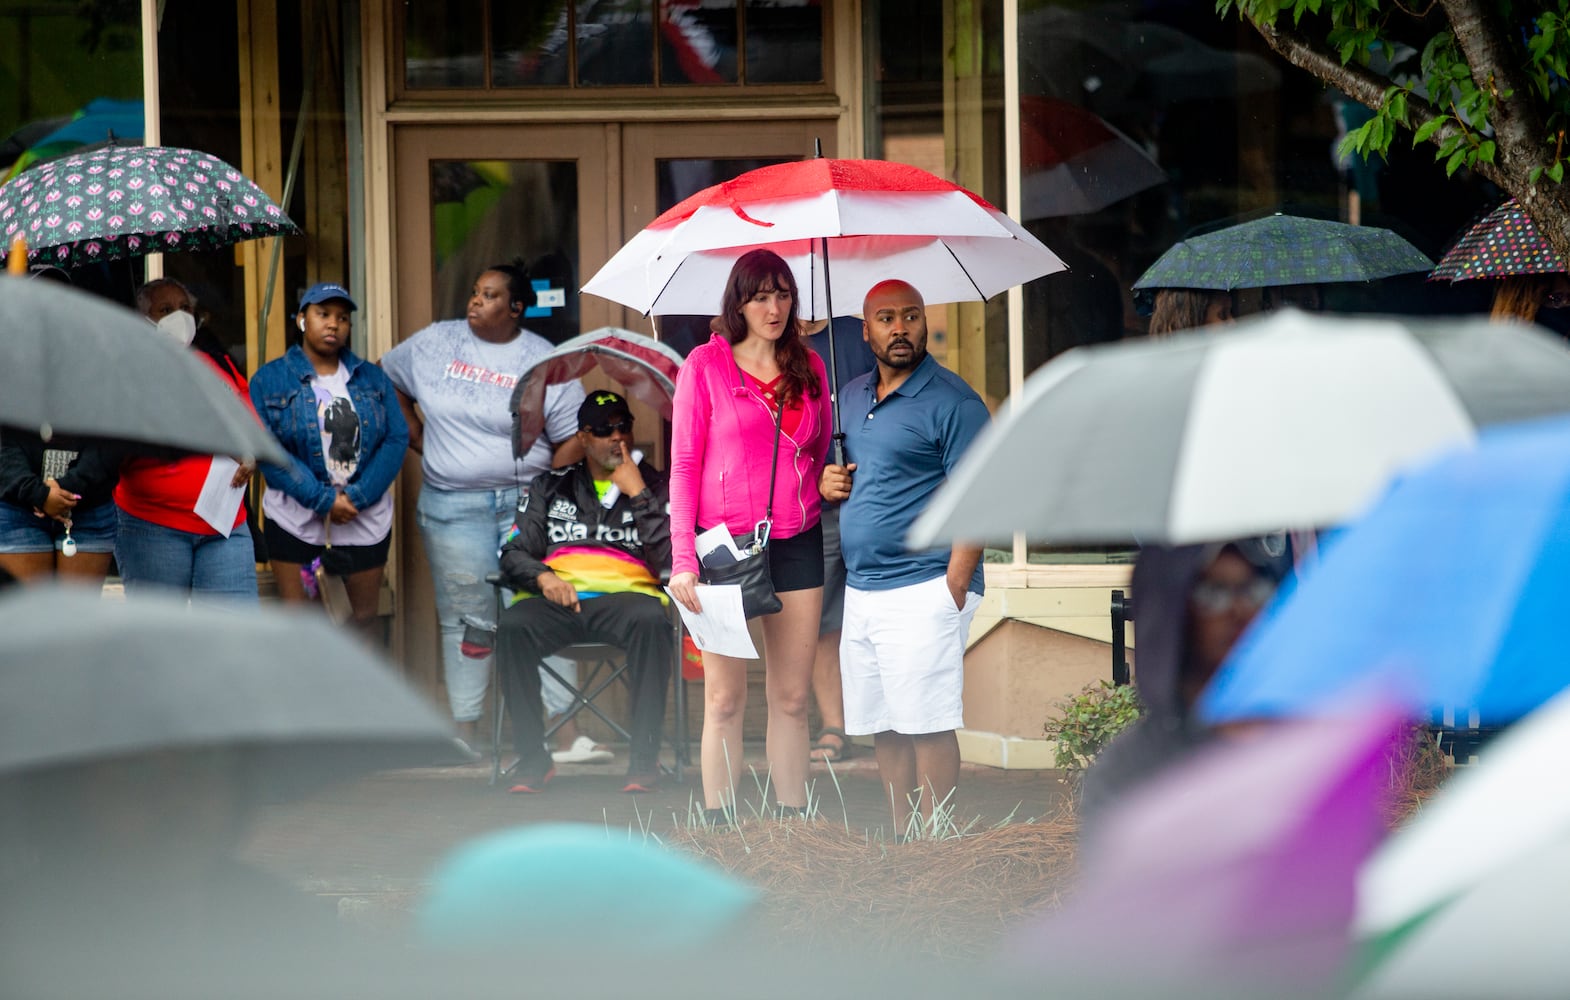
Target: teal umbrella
1284,250
127,201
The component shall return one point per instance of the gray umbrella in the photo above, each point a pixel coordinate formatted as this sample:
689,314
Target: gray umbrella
78,365
1288,421
85,678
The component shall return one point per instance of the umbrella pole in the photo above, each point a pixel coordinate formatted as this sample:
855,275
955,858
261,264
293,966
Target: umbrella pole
838,448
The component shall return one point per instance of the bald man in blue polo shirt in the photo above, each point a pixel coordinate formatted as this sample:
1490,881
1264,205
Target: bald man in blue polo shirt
907,614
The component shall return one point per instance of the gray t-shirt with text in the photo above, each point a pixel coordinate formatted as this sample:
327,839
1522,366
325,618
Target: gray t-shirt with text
464,387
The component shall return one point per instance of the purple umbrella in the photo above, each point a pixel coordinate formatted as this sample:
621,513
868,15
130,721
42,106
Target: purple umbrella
1236,869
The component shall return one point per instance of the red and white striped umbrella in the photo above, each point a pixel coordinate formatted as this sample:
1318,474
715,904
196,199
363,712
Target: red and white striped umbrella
872,219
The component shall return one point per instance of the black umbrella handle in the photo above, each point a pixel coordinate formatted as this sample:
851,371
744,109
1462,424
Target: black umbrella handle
834,370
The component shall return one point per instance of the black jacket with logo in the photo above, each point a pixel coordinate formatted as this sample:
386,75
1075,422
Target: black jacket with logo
562,510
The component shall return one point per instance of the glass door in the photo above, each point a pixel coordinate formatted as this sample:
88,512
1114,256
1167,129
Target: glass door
469,197
664,164
473,196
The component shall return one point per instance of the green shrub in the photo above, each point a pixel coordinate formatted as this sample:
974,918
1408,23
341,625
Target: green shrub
1089,720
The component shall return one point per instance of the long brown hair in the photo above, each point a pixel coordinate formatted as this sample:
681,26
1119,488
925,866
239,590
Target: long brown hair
1519,297
1181,309
761,270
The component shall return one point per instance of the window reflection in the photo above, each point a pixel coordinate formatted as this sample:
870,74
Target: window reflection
784,41
615,42
529,43
488,212
697,41
444,44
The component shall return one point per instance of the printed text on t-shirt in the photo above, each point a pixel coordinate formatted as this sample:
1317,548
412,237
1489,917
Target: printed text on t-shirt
465,372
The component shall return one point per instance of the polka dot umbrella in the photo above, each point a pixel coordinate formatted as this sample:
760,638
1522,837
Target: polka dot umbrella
1505,242
128,201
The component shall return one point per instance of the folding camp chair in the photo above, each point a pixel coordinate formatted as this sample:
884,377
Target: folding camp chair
607,665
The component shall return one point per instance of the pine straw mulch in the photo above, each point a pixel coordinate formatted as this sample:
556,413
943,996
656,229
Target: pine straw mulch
950,897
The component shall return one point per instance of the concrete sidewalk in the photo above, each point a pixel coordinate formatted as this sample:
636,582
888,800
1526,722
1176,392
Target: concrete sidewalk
386,833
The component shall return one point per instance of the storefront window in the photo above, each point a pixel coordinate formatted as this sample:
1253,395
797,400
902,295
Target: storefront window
784,41
500,45
529,44
444,44
70,80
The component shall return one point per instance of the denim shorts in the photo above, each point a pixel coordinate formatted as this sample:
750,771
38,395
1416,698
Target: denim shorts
23,531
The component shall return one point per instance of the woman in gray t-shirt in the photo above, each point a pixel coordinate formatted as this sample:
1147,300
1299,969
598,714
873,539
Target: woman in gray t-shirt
461,374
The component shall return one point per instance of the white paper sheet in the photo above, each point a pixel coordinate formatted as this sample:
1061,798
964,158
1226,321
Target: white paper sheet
722,627
218,503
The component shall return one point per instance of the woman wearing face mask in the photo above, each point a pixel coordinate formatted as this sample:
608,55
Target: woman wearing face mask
57,517
461,373
338,417
162,543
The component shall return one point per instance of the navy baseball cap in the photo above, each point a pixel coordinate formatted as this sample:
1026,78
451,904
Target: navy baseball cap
322,291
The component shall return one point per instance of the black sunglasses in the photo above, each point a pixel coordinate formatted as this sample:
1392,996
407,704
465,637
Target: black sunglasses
606,430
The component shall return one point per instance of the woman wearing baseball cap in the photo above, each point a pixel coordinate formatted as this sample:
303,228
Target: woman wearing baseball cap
338,417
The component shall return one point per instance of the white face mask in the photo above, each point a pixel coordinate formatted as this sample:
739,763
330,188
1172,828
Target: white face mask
180,325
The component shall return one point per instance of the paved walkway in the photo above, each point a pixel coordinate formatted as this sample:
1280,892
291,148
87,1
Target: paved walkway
385,833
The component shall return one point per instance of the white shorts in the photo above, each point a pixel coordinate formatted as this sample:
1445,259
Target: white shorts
902,658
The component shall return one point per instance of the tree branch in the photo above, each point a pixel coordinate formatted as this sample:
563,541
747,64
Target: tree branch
1362,85
1518,128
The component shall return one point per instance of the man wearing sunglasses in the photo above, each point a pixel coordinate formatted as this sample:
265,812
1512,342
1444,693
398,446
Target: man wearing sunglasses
589,547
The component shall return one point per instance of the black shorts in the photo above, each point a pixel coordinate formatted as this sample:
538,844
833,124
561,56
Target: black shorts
284,547
796,563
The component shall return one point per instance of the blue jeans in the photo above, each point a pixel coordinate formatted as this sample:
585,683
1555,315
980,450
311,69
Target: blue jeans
23,531
209,568
462,531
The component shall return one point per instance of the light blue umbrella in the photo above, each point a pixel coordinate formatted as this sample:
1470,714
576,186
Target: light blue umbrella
1449,593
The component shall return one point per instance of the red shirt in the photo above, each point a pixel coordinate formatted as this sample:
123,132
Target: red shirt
791,419
164,491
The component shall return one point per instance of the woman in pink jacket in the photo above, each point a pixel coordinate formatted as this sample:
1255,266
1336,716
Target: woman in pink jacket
728,396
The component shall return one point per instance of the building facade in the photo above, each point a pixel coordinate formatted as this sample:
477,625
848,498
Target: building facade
417,142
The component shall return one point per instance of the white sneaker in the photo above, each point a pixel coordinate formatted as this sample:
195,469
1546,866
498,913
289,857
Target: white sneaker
582,751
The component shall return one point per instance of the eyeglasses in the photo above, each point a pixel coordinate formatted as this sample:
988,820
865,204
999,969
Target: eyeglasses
606,430
1214,598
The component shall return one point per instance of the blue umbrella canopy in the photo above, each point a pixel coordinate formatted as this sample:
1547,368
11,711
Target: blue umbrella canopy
1284,250
1449,593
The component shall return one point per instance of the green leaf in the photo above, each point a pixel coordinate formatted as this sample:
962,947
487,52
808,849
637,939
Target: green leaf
1395,105
1536,173
1454,163
1556,173
1426,130
1485,151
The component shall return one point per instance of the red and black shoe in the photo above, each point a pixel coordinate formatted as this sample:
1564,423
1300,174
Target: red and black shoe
533,785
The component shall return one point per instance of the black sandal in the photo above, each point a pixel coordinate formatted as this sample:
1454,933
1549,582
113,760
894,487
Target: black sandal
833,753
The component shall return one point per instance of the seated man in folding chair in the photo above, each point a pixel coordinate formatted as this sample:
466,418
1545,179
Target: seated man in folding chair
592,544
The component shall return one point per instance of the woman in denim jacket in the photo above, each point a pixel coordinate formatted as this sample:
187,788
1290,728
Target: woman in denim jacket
338,417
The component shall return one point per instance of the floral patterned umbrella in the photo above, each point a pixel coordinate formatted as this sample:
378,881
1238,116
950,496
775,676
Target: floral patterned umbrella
1505,242
127,201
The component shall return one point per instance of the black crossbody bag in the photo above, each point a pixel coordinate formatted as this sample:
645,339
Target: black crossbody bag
752,572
